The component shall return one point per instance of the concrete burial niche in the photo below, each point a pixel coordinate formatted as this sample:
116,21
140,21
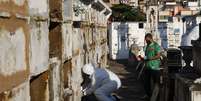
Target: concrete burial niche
77,41
67,41
19,93
67,10
67,72
39,47
60,10
75,79
14,47
39,87
55,38
55,80
39,8
56,9
15,7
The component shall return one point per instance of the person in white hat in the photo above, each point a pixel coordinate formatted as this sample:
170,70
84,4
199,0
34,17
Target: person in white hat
100,82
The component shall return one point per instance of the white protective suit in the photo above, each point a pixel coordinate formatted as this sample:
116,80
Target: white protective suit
103,83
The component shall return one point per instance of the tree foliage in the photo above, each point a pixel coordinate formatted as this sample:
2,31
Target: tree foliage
122,12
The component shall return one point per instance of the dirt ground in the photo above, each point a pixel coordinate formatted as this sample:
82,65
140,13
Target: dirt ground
132,89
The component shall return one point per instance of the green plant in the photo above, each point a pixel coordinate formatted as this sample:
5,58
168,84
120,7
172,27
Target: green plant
122,12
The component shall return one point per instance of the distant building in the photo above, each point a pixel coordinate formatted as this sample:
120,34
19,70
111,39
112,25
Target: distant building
178,23
122,35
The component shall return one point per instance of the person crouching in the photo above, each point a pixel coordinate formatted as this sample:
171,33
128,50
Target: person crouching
100,82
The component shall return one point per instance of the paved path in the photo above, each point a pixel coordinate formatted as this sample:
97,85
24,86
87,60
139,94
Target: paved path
132,89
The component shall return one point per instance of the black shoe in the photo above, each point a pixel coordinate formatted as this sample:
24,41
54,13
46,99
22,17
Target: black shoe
117,98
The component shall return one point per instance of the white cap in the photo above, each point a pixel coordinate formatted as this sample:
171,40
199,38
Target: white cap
88,69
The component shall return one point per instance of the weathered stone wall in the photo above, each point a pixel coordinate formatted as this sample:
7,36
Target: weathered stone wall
14,43
45,43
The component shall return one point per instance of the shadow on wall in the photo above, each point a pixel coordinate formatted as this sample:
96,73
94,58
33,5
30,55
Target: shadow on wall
122,38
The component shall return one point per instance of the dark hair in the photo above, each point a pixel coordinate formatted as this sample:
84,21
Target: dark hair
148,35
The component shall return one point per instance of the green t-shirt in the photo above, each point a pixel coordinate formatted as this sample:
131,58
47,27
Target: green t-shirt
150,52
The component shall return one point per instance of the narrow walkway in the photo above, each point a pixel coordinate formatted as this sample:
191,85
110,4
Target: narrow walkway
132,89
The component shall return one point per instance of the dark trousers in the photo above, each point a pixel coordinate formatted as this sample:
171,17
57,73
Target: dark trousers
91,97
148,76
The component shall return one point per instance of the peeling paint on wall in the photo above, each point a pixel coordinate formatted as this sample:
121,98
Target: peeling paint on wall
12,48
39,47
77,41
15,7
55,38
39,87
39,8
56,10
19,2
55,80
67,10
75,78
19,93
14,68
67,41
